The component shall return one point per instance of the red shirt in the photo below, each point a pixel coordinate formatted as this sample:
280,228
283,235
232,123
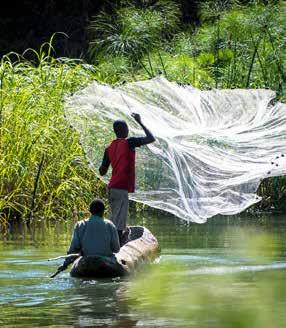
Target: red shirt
122,160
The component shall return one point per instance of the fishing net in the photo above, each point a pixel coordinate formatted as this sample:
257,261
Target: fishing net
212,149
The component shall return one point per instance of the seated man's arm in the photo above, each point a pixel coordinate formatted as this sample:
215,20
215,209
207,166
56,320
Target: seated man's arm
149,138
75,246
105,164
115,245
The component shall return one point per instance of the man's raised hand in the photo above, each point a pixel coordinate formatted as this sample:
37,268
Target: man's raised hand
136,117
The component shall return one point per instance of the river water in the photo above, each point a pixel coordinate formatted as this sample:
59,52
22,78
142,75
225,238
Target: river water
29,298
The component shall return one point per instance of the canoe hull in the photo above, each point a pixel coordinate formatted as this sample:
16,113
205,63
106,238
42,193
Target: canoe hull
140,247
96,266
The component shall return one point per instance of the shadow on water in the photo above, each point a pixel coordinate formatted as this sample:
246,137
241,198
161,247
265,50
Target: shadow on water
29,298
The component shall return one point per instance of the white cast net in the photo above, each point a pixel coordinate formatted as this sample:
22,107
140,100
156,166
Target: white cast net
212,149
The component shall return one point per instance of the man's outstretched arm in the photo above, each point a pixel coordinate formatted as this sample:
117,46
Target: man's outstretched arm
149,136
105,164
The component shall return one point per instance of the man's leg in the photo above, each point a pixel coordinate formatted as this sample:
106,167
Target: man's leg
119,206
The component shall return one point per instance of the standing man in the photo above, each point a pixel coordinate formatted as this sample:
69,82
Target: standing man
121,155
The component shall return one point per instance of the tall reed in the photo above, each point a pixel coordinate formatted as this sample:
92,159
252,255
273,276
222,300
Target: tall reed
42,166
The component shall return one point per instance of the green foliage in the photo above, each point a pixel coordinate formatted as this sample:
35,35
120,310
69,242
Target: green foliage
132,31
273,191
43,170
181,44
113,69
181,68
254,38
237,45
211,10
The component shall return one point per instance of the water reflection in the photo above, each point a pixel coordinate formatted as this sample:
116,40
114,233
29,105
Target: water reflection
100,304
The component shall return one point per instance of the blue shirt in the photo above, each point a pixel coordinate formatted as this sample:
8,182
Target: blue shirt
95,236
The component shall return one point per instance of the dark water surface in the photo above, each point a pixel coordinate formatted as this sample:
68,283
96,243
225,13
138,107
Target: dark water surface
29,298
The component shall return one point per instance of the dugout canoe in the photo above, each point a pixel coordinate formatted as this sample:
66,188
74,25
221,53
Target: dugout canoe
141,246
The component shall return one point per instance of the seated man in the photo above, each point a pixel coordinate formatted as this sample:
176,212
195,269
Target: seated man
95,236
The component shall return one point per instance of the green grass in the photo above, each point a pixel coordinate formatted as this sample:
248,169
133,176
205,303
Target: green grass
43,170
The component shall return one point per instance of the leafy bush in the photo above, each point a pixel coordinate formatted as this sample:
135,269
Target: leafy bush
254,38
132,31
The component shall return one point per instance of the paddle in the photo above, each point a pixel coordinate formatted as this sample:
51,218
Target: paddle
69,259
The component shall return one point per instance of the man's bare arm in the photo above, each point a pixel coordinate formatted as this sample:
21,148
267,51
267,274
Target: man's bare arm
105,164
149,136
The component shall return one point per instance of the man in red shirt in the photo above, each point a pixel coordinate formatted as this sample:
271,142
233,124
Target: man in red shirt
121,155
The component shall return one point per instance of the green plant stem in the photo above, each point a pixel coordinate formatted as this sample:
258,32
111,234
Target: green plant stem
256,46
262,70
217,51
150,64
277,59
232,81
145,68
163,65
36,183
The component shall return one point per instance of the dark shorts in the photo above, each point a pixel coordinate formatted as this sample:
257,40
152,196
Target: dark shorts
119,205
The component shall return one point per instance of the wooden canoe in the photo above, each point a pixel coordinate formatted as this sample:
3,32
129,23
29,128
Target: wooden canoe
141,246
